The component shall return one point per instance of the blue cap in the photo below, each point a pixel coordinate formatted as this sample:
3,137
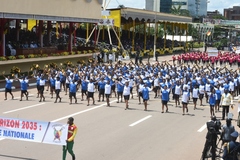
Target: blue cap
234,134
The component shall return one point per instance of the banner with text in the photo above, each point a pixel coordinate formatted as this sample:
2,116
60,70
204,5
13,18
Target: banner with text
34,131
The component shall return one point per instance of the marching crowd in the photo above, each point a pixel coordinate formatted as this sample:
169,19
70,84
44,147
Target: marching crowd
198,82
221,58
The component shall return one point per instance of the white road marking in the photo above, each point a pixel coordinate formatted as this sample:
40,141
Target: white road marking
19,109
139,121
202,128
86,110
65,117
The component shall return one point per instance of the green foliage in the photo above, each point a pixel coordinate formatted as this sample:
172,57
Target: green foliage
217,31
44,55
192,31
197,45
2,58
179,11
30,56
11,57
64,54
21,56
219,17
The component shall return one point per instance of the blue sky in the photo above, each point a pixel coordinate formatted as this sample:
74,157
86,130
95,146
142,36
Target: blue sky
212,6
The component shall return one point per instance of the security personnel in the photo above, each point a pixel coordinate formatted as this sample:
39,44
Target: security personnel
72,131
232,148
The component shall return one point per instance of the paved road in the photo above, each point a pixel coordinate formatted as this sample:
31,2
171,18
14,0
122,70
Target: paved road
111,133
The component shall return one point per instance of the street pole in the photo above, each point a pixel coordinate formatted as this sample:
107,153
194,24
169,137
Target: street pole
155,39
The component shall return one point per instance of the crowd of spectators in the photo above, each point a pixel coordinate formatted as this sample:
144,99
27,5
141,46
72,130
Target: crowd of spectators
30,39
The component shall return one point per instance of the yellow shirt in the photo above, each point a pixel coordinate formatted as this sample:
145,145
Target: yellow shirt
226,99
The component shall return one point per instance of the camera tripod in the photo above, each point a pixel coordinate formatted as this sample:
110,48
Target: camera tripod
211,148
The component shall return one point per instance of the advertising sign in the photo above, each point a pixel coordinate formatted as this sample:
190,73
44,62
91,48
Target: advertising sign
33,131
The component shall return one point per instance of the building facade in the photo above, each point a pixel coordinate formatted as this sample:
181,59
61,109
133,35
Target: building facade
197,8
212,14
182,3
60,10
232,13
163,6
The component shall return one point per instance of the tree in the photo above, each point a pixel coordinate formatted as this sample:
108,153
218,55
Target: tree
219,17
192,31
121,6
177,10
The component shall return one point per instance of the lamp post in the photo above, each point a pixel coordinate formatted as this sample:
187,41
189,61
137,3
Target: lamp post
155,38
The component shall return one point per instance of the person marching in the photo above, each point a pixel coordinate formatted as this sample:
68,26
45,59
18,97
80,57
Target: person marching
126,93
219,94
177,93
212,101
201,92
140,87
195,95
72,131
8,86
90,91
101,85
185,100
84,85
156,86
58,89
165,98
145,95
41,88
72,91
120,87
24,86
52,84
107,92
38,77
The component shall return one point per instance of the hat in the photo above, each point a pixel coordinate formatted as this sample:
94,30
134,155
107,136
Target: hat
234,134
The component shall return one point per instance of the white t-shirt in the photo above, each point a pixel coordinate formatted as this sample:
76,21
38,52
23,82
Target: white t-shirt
156,82
126,90
21,80
90,87
178,89
201,89
208,89
42,82
9,79
57,85
195,92
231,86
140,87
107,89
185,97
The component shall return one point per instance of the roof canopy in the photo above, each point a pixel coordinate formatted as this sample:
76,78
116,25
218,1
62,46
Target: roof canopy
150,16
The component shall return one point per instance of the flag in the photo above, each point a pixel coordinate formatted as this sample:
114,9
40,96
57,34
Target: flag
209,33
31,24
116,15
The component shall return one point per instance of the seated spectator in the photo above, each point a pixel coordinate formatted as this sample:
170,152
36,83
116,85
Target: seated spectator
26,45
33,45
